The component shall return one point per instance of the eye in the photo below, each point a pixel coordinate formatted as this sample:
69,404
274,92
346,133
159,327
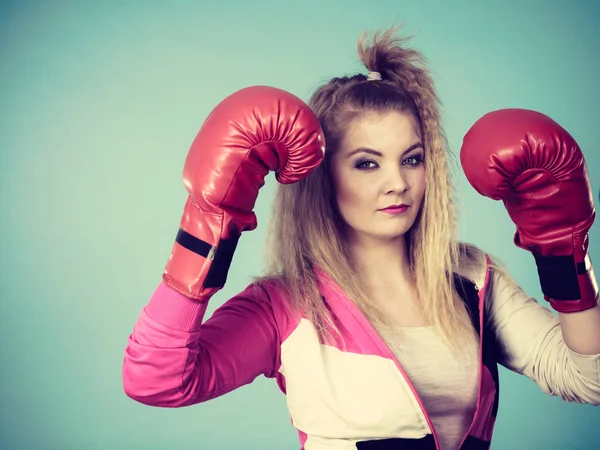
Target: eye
365,164
413,161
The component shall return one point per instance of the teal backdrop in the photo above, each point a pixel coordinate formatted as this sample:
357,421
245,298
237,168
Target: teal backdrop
99,102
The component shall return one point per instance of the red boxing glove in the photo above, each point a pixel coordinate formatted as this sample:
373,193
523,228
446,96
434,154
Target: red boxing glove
536,168
253,131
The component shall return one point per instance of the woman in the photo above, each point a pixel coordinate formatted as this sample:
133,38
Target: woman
381,329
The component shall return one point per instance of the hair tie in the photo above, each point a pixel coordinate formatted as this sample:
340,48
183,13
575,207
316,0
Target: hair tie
373,76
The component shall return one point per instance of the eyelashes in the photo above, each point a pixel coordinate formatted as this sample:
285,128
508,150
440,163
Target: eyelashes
369,164
365,164
416,160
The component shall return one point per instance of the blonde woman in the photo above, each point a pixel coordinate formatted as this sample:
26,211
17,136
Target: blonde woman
381,329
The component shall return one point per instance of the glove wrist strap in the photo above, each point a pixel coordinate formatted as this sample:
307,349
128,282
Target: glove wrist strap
220,256
568,285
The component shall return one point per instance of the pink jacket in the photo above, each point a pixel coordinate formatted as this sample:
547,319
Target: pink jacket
354,394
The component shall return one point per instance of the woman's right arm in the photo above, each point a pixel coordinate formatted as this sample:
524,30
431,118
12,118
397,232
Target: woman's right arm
173,359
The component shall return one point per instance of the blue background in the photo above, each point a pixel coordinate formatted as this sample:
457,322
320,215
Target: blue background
99,102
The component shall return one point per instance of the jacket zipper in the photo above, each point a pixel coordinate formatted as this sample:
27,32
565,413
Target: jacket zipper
480,298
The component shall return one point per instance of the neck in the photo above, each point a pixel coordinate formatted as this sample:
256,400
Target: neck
381,262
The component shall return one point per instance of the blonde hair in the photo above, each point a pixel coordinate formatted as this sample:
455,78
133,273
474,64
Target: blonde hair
306,226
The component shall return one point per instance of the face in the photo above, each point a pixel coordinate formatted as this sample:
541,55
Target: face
379,176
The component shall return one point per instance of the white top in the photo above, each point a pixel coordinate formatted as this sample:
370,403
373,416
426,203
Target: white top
445,382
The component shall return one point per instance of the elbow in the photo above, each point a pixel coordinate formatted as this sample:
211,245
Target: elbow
581,393
137,388
155,395
591,399
140,393
153,386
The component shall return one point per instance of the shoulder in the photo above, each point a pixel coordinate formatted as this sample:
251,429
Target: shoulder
489,274
474,264
274,291
269,288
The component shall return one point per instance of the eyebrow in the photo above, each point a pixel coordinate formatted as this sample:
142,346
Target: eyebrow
377,153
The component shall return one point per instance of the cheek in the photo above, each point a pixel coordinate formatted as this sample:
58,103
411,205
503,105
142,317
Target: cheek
353,195
418,184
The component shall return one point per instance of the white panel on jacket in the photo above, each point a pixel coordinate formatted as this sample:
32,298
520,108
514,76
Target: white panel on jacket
336,394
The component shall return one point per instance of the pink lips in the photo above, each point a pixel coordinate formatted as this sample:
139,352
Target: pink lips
395,209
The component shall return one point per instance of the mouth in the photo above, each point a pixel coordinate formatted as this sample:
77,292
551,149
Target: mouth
395,209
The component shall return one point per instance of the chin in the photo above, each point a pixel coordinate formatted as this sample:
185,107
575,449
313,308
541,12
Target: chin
397,236
390,236
379,233
395,233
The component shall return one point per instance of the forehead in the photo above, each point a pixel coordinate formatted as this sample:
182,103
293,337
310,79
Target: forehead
387,131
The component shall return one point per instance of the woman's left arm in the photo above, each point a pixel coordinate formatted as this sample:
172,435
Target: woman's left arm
537,169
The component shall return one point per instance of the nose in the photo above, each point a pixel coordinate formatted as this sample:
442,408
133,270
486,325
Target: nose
395,181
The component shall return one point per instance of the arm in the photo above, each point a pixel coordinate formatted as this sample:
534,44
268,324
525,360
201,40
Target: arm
531,343
537,169
173,360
